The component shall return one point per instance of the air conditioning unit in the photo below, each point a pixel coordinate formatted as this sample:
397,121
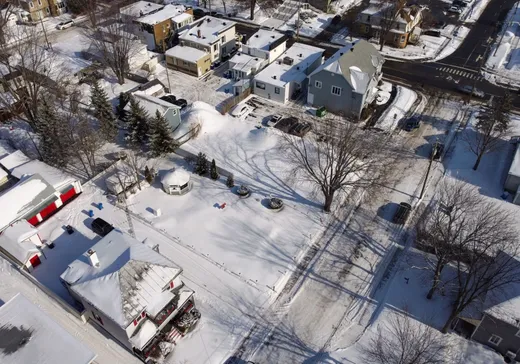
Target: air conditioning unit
288,61
511,355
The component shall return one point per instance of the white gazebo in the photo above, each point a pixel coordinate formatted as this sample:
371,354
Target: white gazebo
176,182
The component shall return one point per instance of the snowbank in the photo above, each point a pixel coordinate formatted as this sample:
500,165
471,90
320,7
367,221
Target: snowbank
397,110
201,115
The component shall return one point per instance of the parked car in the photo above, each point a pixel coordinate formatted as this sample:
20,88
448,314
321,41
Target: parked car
65,24
182,103
169,98
432,32
101,227
467,89
275,118
290,33
402,213
241,110
412,123
455,10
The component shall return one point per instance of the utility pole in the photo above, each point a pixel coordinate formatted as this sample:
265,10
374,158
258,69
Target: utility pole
44,31
434,151
168,77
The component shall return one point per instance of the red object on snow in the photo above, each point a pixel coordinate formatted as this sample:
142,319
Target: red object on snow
223,206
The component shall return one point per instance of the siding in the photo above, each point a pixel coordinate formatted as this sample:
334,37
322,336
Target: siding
490,326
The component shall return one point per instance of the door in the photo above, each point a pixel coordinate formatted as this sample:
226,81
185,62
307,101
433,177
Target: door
310,98
35,261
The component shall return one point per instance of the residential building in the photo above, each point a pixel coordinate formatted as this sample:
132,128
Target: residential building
36,9
22,244
193,61
30,335
152,104
58,7
287,77
212,35
404,27
35,190
132,291
512,183
346,82
138,9
261,49
494,320
159,28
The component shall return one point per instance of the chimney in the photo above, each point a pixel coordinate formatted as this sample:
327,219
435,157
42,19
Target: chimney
93,258
352,49
198,33
341,53
274,77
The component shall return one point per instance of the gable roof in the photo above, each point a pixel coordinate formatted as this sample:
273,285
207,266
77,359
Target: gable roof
168,12
152,104
210,29
29,335
14,240
356,62
128,279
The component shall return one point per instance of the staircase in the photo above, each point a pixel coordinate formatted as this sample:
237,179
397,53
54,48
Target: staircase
174,335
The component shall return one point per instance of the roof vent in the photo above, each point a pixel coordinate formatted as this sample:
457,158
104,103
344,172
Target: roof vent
341,53
198,33
224,23
301,55
93,258
256,35
209,19
352,49
288,61
274,77
256,59
272,36
298,68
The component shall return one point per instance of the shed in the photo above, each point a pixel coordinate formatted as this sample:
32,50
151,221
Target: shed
176,182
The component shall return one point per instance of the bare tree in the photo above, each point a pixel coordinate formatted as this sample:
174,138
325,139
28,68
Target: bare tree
389,12
448,224
85,7
137,161
5,15
493,124
406,341
115,44
338,155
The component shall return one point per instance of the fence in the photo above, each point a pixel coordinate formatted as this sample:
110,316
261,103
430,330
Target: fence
234,100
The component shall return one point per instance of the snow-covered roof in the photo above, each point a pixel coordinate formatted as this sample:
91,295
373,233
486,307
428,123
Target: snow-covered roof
129,277
278,73
182,17
144,334
26,195
514,170
14,239
263,39
29,335
186,53
5,149
244,62
356,62
140,8
52,175
152,104
209,29
168,12
176,177
14,160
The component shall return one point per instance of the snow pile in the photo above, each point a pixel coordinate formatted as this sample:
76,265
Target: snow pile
201,115
400,107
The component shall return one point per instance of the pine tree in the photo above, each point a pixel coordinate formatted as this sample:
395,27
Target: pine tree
213,173
53,147
201,164
230,181
138,124
103,112
148,175
124,99
161,139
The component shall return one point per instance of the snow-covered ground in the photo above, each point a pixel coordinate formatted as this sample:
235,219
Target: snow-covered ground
503,63
457,36
313,24
473,11
398,110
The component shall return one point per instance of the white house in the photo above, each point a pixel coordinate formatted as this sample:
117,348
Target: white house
30,335
131,290
139,9
212,35
20,242
286,78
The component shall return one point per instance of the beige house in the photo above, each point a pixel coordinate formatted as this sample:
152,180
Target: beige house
36,9
188,60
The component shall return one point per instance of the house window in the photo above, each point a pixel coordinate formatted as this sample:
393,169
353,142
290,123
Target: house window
336,90
277,90
368,18
172,285
317,84
97,317
215,47
495,339
48,11
260,85
40,2
31,5
224,39
403,38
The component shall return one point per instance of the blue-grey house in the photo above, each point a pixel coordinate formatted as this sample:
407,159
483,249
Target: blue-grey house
346,82
152,104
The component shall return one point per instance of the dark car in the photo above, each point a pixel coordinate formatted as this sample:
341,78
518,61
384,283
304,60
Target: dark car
412,123
101,227
169,98
432,32
182,103
198,13
401,215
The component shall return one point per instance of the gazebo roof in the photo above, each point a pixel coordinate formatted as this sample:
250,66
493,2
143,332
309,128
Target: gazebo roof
176,177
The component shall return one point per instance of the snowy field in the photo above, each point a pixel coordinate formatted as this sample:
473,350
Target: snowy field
312,26
503,63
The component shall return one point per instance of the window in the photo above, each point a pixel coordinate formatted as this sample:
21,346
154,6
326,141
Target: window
215,47
336,90
40,2
31,5
317,84
260,85
48,11
495,339
277,90
403,38
224,39
97,317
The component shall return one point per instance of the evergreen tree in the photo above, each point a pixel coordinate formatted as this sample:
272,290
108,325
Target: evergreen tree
161,139
53,147
201,164
230,181
103,112
138,124
124,99
213,173
148,175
